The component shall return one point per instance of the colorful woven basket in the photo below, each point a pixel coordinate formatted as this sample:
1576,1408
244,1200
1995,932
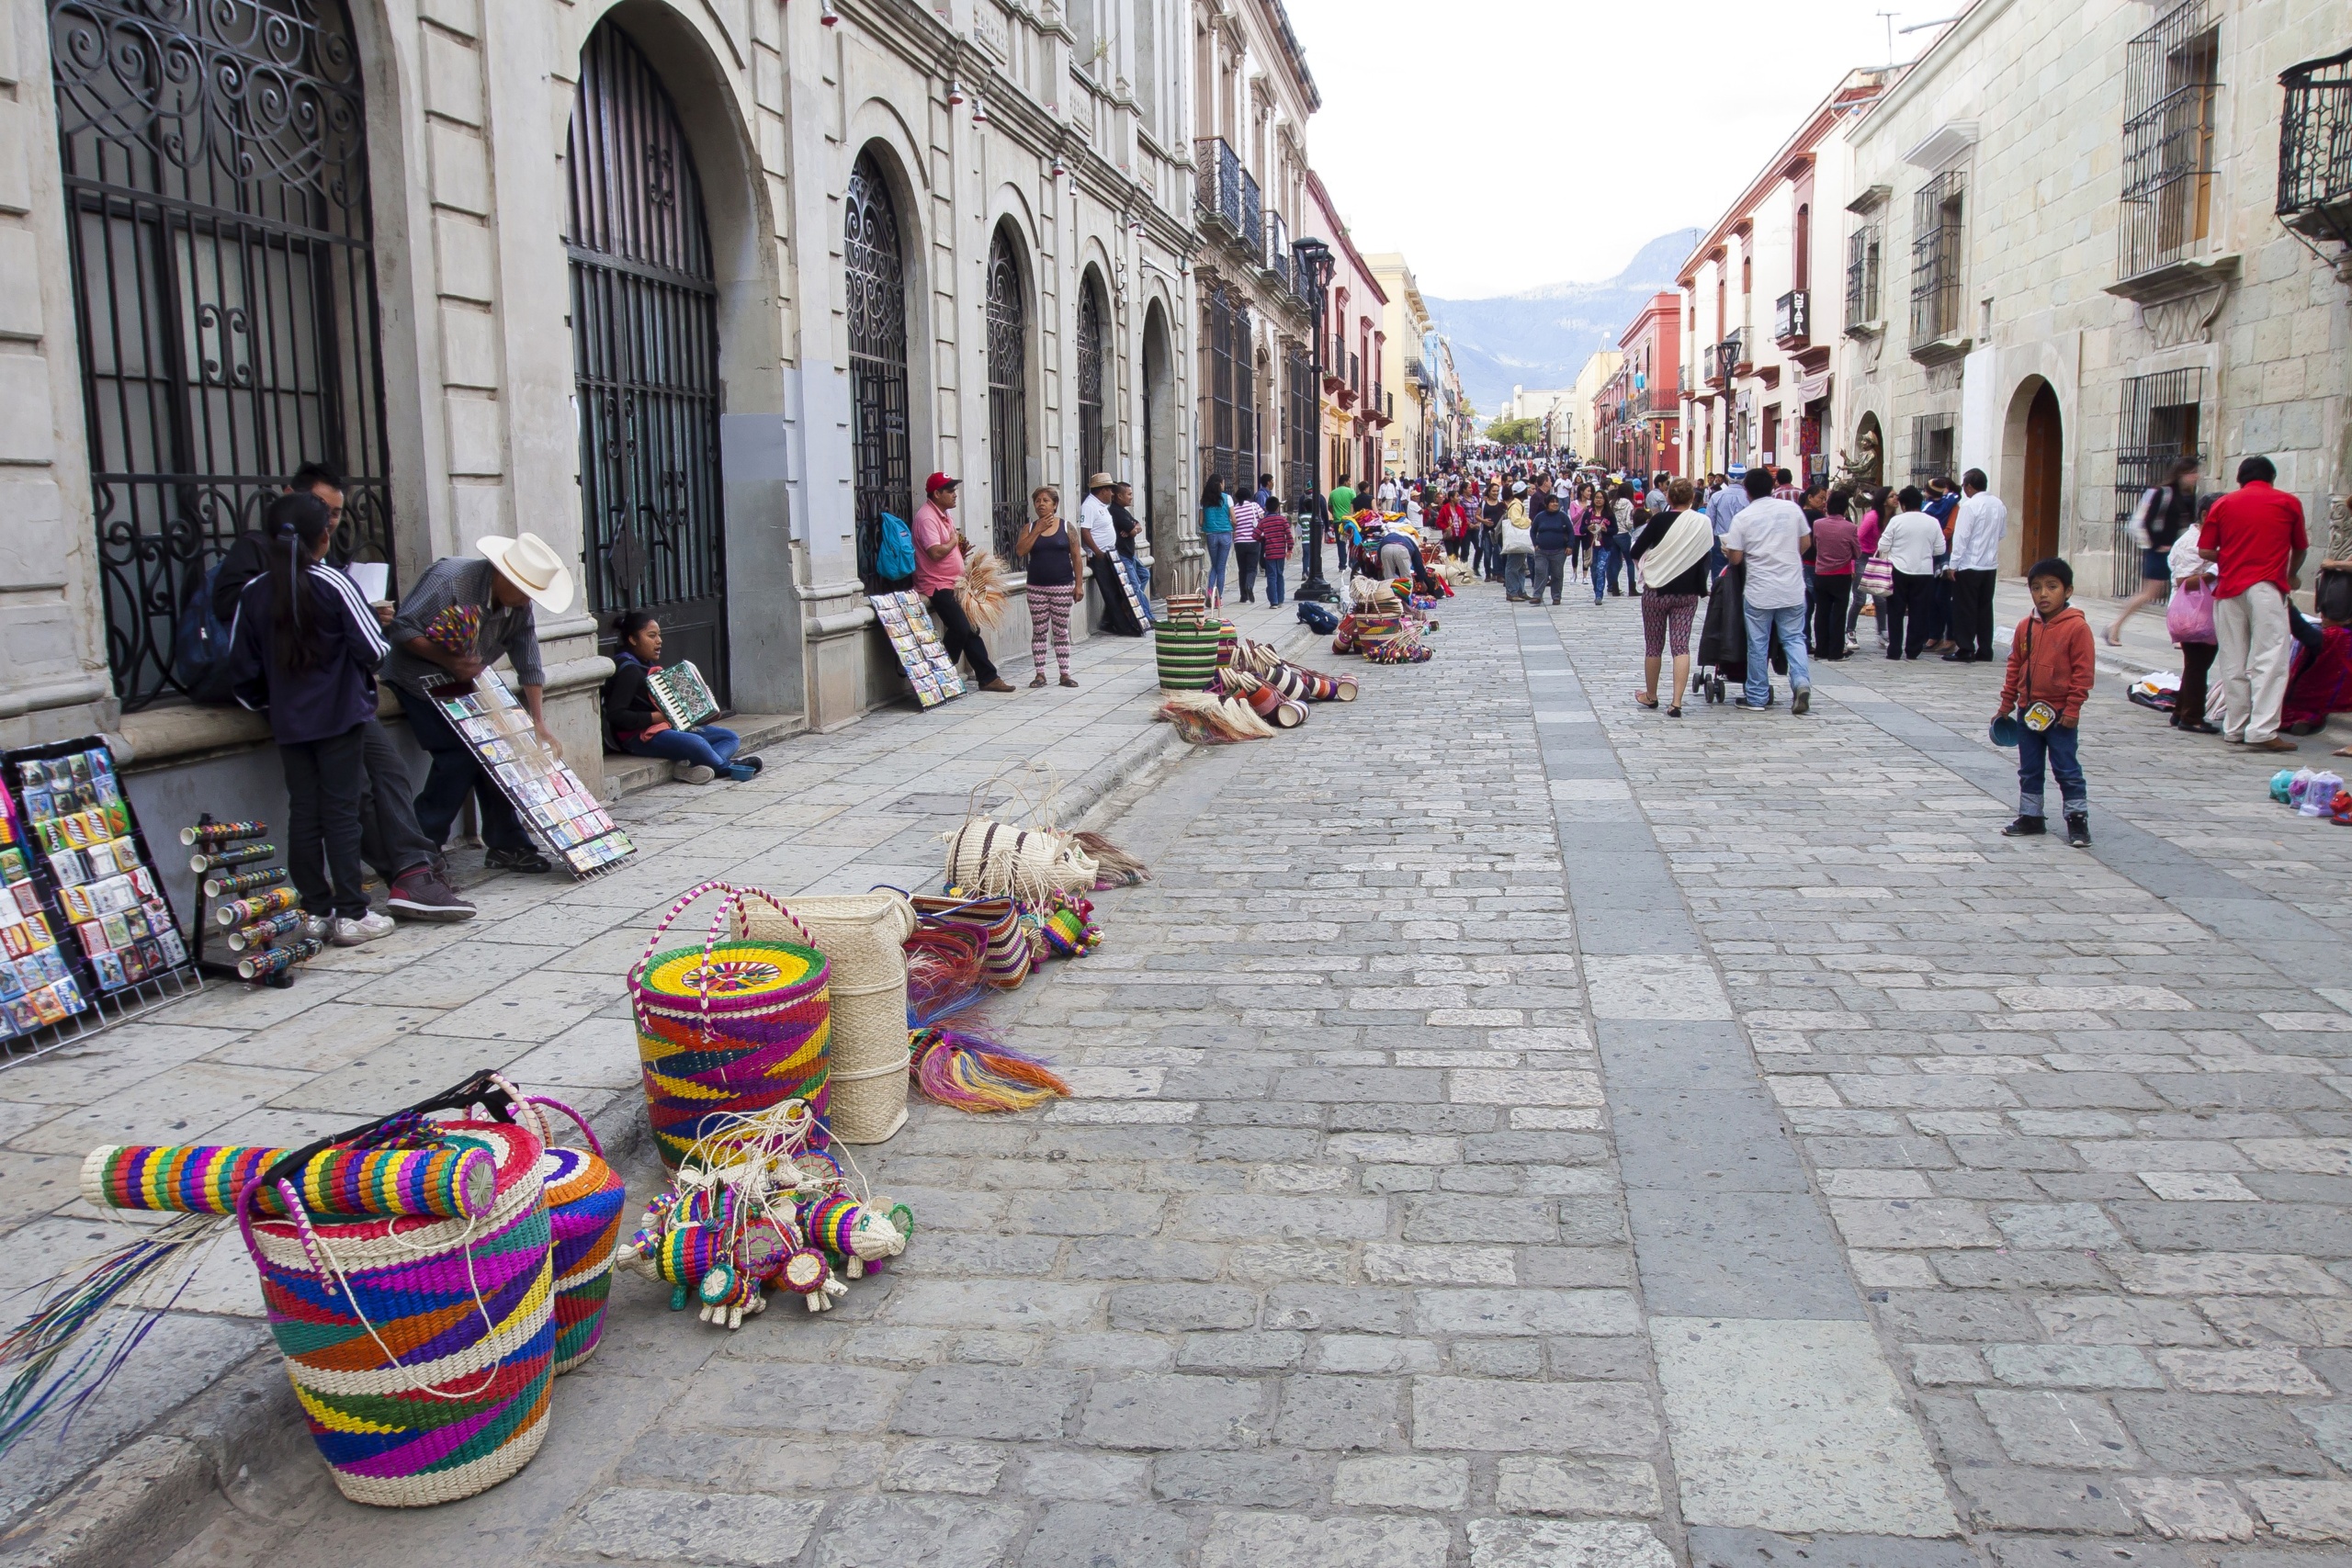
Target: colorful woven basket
729,1028
421,1350
585,1197
1012,951
863,937
1187,652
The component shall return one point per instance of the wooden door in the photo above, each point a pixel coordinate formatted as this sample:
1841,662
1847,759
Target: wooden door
2044,450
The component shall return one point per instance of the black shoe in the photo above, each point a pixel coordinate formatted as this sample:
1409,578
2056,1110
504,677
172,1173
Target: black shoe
1801,700
2079,829
1955,658
524,858
752,762
2023,828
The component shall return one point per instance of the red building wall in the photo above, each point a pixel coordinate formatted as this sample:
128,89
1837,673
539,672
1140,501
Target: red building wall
1653,348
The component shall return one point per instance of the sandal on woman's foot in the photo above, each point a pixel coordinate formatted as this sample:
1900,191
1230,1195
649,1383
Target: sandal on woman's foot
1646,700
1037,682
1674,712
2113,640
1067,681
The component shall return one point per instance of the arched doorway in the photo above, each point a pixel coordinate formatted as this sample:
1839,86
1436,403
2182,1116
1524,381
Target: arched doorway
1093,444
1163,509
1868,464
222,251
877,363
1008,308
645,358
2045,446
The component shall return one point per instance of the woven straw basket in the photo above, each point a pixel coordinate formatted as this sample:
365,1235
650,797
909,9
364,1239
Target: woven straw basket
421,1350
863,937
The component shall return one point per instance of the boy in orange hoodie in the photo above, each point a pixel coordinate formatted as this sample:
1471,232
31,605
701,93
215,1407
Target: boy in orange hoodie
2051,662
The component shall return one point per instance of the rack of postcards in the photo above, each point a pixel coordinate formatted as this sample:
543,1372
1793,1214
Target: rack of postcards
88,935
931,670
546,794
250,908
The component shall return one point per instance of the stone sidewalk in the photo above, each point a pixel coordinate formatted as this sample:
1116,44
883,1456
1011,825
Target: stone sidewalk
533,986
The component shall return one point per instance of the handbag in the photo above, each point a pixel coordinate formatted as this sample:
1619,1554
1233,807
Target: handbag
1010,954
2190,617
1878,577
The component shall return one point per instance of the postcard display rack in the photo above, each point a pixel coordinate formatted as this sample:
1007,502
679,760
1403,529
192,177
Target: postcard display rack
546,794
930,667
248,905
88,937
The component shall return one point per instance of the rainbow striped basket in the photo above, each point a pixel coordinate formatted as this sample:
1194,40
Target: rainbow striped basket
585,1197
731,1028
421,1348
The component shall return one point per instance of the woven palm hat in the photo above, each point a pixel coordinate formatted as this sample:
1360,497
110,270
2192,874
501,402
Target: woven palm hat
1101,481
531,564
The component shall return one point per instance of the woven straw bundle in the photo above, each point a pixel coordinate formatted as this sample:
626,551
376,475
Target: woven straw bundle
863,937
989,858
982,592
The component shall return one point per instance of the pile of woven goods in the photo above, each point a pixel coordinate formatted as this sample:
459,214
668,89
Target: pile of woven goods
2312,793
425,1276
1386,625
1223,686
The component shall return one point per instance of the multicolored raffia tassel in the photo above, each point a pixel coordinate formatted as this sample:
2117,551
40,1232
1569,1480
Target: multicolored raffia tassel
980,1076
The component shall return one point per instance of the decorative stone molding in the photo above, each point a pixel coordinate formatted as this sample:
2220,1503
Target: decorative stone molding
1944,378
2185,318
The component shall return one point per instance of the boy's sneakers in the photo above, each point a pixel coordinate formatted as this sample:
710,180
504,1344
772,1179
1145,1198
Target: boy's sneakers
367,928
691,772
2024,828
420,894
2079,829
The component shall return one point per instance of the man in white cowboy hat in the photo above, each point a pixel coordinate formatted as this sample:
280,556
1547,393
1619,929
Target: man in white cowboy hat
511,581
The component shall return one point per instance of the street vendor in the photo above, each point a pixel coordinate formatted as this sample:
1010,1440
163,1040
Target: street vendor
462,614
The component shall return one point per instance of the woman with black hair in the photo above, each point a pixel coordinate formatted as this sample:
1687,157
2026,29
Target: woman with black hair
634,724
1216,532
305,648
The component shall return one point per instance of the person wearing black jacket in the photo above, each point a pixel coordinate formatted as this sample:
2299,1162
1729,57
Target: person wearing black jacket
635,725
390,841
1552,532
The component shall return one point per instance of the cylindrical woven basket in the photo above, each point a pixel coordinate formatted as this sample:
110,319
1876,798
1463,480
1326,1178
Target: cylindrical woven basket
729,1028
992,859
1187,653
863,937
585,1198
421,1350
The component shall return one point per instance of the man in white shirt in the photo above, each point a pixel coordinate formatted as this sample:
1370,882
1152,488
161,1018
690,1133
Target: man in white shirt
1975,565
1767,540
1095,520
1911,543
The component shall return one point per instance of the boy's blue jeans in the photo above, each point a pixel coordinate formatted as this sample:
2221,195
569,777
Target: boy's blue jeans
705,744
1274,579
2056,743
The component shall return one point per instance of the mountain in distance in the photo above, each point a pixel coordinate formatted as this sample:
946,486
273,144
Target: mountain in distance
1543,337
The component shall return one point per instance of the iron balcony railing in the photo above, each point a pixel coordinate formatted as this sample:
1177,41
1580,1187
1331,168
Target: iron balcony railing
1793,316
2315,147
2170,81
1253,220
1863,276
1217,170
1730,354
1276,256
1934,258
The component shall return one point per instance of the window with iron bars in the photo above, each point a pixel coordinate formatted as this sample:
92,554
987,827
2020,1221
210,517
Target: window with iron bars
2170,81
1862,293
1298,378
2315,148
1231,422
1933,440
2161,423
1936,214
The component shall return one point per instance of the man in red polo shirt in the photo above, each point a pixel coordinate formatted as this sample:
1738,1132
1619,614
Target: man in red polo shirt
939,566
2255,533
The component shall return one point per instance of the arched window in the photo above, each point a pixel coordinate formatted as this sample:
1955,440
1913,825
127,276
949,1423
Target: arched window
1805,250
215,169
877,360
1093,449
1008,394
645,358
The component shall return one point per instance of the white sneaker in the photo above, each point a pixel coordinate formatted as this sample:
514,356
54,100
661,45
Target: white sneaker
691,772
367,928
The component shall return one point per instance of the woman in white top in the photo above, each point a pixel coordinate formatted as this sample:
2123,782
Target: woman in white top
2190,570
1910,544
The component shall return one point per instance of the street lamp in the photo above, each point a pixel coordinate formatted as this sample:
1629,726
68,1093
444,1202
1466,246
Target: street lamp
1314,266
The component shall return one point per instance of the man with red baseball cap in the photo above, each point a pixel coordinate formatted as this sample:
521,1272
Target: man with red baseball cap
939,566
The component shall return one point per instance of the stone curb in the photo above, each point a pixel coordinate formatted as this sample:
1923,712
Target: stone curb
143,1495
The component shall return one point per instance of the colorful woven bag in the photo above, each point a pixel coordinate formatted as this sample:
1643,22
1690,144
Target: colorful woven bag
1187,652
1012,952
729,1028
585,1197
421,1350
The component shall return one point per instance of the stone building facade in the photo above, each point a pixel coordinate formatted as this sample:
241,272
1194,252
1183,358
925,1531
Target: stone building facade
1409,388
1353,308
694,289
1253,95
1761,308
2085,274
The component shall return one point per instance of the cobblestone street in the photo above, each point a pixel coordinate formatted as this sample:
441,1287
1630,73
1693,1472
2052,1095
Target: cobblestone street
1515,1130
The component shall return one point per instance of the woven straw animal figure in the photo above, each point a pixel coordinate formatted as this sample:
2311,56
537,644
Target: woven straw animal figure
850,1233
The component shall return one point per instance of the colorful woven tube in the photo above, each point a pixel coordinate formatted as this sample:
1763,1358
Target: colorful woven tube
759,1038
453,1181
1187,653
584,1201
1010,953
421,1350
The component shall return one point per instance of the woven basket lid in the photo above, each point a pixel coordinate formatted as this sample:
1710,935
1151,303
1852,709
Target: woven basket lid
740,975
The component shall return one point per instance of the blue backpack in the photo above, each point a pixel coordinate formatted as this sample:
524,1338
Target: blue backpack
894,557
201,645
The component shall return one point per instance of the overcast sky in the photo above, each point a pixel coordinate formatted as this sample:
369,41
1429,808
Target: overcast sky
1443,120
